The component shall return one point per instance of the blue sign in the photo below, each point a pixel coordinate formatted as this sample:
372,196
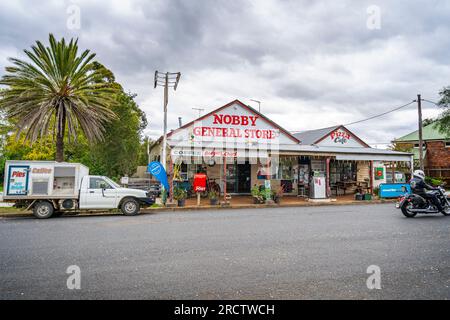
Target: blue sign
157,170
394,190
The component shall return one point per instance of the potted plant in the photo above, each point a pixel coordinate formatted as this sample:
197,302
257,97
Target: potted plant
213,198
256,194
180,195
277,195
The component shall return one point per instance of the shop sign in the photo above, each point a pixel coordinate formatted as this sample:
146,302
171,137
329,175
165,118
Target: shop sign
186,153
205,153
340,136
234,126
220,153
199,182
379,173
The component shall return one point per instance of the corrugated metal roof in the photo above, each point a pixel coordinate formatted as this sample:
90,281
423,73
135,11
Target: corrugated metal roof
311,136
429,132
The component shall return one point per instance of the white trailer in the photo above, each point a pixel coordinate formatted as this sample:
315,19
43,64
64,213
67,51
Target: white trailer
50,187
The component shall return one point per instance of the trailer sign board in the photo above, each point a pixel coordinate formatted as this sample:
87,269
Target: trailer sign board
18,180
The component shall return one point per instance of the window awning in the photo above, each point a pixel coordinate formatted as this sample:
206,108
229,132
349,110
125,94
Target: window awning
374,157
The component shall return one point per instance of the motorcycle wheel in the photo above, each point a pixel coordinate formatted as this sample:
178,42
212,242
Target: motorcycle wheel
406,212
446,211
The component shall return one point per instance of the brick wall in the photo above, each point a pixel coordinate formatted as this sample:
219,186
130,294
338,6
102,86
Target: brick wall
437,161
438,156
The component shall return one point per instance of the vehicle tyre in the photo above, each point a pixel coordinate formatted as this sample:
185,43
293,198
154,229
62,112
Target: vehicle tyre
43,210
446,211
130,207
406,212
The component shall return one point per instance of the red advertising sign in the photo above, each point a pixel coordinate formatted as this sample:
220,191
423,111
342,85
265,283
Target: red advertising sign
199,182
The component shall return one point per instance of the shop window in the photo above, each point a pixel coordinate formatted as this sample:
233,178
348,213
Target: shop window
447,144
285,169
342,171
424,146
280,169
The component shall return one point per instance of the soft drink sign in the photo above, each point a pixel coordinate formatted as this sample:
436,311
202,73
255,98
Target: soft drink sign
18,180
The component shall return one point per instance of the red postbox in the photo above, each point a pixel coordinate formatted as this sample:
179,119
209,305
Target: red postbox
199,182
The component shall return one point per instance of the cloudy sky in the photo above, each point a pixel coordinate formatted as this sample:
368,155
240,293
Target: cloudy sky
312,63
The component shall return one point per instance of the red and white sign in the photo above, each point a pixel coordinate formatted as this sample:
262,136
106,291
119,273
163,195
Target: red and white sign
199,182
341,138
234,126
234,122
219,153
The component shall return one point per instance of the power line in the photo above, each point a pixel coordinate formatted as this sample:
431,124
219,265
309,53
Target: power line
375,116
381,114
432,102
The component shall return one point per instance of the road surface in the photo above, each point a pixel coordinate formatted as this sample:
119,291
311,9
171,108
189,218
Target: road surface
270,253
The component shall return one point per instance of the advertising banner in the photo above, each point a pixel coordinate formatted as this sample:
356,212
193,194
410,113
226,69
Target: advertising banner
18,180
157,170
394,190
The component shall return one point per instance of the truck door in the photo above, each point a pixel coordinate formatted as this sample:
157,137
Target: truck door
99,195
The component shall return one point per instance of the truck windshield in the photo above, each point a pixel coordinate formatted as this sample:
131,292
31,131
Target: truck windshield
115,185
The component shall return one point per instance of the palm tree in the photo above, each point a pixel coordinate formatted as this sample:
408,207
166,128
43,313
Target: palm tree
58,92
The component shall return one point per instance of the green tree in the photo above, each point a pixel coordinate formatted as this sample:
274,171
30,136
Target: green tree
444,117
59,92
119,153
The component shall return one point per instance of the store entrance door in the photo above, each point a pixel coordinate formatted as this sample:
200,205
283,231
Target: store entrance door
238,178
243,173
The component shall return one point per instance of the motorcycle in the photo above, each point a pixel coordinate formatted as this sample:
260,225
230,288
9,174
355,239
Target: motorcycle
413,204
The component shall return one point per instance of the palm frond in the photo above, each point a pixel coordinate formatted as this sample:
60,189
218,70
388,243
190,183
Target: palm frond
57,89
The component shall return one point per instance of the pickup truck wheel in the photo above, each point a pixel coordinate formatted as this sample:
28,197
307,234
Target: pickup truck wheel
43,210
130,207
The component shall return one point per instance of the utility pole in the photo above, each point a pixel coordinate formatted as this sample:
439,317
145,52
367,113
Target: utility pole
166,80
200,110
148,148
419,109
259,104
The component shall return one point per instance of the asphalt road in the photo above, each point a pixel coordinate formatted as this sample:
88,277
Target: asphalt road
288,253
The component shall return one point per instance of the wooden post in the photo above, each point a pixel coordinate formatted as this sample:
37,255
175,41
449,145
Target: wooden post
224,178
393,171
171,180
327,180
371,176
269,176
419,110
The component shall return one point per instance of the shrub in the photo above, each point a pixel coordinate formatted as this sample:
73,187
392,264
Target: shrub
434,181
212,194
179,193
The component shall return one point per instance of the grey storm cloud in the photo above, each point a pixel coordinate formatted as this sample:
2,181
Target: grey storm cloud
311,63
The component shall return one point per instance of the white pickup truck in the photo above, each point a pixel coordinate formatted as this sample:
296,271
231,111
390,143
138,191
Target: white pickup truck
50,188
